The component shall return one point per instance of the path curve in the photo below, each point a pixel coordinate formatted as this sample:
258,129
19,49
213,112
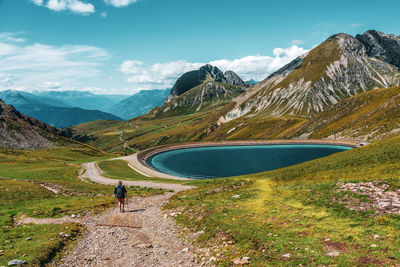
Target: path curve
154,243
95,174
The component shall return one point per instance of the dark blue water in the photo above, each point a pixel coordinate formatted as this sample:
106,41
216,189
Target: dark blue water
225,161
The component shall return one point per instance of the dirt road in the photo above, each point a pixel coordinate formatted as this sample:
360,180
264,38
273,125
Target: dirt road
153,243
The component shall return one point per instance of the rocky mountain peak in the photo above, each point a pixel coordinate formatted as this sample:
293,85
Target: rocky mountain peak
194,78
213,72
382,46
233,79
340,67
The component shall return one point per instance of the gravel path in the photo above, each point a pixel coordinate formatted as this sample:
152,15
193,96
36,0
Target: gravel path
154,243
94,174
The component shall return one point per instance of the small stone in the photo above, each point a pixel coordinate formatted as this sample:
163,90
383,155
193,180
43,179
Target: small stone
28,238
2,251
236,196
236,261
376,237
184,250
218,255
106,259
327,239
333,253
213,259
374,245
145,245
199,232
287,255
73,216
16,262
246,258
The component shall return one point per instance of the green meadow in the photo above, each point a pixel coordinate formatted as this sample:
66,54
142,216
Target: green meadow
287,216
20,194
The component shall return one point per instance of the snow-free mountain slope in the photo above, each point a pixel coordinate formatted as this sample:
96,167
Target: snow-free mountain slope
338,68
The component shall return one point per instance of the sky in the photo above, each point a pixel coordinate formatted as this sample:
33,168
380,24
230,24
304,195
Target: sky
123,46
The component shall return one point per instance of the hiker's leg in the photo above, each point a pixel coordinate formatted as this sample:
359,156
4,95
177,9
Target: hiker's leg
123,204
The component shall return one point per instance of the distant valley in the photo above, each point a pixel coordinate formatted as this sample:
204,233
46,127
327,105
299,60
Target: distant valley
67,108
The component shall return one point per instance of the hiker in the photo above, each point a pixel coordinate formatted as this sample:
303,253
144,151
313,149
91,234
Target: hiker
120,194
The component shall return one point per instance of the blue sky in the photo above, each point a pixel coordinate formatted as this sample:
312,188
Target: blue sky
121,46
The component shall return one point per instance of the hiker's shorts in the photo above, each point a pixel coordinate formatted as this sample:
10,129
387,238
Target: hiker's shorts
121,200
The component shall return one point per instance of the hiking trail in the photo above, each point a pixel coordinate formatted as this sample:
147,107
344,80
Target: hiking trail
154,243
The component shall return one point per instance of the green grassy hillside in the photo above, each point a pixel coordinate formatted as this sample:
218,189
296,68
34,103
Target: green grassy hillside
371,115
290,217
141,133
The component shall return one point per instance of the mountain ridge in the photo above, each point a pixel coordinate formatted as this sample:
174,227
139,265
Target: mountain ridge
336,69
22,132
59,116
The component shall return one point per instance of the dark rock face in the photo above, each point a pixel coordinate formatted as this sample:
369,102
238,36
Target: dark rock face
233,79
20,131
194,78
383,46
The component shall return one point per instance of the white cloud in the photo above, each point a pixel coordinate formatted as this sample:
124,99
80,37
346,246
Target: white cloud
75,6
40,66
297,42
52,85
38,2
5,80
11,37
119,3
103,14
162,75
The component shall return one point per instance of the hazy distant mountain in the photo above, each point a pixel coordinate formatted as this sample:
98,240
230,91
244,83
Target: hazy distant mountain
50,111
83,99
140,103
251,82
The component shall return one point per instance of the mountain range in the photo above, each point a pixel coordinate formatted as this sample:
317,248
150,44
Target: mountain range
312,96
139,103
347,87
54,112
67,108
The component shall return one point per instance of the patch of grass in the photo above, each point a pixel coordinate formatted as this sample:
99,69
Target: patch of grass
287,216
20,194
374,114
119,169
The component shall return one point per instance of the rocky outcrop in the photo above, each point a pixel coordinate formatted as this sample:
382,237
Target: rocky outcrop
194,78
338,68
233,79
209,93
20,131
383,46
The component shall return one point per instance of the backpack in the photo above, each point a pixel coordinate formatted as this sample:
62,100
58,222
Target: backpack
120,192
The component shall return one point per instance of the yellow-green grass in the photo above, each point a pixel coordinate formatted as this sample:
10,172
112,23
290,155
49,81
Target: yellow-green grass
20,194
290,211
142,133
372,115
119,169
